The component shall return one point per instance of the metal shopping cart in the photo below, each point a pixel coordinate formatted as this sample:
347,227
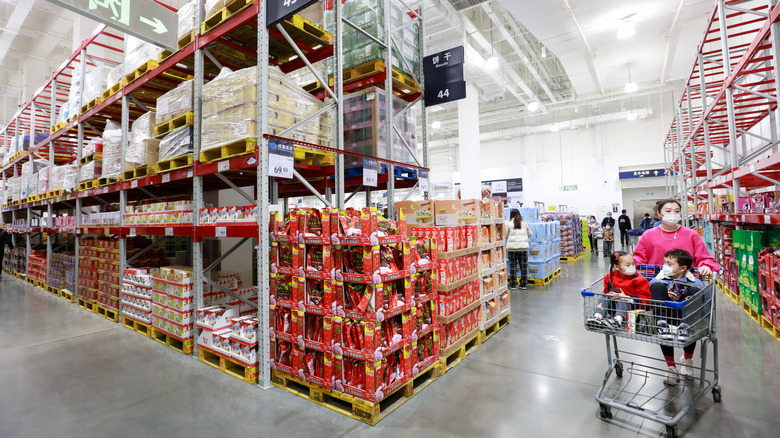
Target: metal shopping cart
634,382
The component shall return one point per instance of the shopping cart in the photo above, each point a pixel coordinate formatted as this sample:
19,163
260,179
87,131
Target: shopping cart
634,382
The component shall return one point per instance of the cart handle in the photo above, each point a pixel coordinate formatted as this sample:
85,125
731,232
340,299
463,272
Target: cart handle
586,293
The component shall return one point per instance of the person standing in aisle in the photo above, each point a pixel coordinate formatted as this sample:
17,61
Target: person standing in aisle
624,223
609,239
518,236
593,227
647,223
651,249
608,220
5,240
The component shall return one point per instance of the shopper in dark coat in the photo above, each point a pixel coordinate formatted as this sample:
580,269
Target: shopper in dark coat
647,222
5,240
624,224
609,220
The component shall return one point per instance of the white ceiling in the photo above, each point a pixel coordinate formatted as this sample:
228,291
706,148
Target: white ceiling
39,37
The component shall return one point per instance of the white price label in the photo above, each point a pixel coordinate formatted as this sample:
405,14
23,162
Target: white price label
189,173
168,231
220,231
132,232
166,178
767,219
422,178
134,184
370,172
223,166
743,218
280,166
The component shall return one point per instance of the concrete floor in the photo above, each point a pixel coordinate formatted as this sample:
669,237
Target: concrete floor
68,373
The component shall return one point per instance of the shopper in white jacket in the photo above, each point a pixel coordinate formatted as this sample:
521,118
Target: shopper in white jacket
518,234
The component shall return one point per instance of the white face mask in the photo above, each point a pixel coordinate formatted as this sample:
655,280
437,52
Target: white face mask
668,270
672,219
631,270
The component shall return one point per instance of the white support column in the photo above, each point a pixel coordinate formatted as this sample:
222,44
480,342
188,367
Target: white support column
469,147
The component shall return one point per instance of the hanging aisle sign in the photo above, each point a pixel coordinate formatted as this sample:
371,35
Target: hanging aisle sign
444,80
278,10
369,172
142,19
280,158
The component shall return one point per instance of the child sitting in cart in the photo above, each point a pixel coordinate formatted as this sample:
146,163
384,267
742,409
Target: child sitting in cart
675,282
622,287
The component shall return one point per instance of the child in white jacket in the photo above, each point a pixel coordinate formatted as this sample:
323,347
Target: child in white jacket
518,235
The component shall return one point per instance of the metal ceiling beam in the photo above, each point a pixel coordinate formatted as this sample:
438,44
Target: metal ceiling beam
668,48
587,45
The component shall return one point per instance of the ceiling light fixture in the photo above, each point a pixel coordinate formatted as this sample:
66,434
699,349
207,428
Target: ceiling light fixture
631,116
492,63
436,124
544,51
630,86
626,29
533,106
554,127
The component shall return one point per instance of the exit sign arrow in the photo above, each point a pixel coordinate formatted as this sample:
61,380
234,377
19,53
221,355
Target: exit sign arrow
144,19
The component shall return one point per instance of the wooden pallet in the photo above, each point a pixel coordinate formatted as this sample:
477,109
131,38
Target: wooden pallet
454,354
573,259
87,305
165,128
228,365
230,150
184,347
173,164
494,328
102,182
91,104
107,312
223,14
112,90
361,410
138,172
184,41
97,156
546,280
68,295
86,185
137,326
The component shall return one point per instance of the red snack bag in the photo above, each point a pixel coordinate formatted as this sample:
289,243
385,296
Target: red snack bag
315,291
314,223
285,255
387,260
315,259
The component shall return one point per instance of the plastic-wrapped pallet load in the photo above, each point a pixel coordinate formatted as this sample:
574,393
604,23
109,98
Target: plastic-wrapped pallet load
143,148
74,95
56,177
364,127
115,75
70,177
213,6
95,83
176,143
186,17
175,102
137,53
112,150
43,180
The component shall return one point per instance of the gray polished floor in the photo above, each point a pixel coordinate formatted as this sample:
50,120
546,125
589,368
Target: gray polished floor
68,373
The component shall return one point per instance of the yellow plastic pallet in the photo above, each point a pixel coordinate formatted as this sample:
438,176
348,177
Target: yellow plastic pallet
494,328
165,128
771,329
91,104
751,312
546,280
454,354
234,149
173,164
58,126
102,182
573,259
184,41
90,158
301,31
228,366
313,158
107,312
87,305
401,81
112,90
86,185
184,347
137,326
353,407
52,290
68,295
138,172
140,71
54,194
223,14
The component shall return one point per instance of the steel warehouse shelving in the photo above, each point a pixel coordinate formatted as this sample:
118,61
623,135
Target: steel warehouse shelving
211,46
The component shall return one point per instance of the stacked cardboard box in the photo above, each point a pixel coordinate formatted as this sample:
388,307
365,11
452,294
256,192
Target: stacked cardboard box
62,270
36,268
137,294
15,260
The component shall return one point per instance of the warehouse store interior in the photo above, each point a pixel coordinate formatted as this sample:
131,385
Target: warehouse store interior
198,241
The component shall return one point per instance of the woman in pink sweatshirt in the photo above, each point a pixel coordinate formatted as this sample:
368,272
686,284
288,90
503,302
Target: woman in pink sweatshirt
650,250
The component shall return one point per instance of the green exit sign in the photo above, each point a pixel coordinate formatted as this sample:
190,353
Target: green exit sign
570,188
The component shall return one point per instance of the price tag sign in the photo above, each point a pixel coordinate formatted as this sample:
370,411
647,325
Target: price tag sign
220,231
134,184
278,10
166,178
280,158
132,232
767,219
422,179
369,172
442,93
223,166
168,231
189,174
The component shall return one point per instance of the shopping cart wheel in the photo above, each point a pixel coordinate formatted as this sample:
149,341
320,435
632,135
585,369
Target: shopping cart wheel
716,394
606,412
671,432
619,368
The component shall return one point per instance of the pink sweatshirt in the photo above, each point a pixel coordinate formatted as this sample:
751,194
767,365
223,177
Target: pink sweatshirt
656,242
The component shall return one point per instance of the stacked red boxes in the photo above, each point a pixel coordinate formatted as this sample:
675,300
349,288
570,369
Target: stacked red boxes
769,271
36,267
346,288
725,254
137,294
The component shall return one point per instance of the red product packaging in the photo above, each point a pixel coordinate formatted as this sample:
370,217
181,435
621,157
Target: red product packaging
463,235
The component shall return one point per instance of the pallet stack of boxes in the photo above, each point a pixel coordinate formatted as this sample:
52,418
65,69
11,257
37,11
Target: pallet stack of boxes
91,166
750,255
137,294
769,285
493,262
725,255
62,270
544,251
175,103
353,302
571,244
98,260
15,260
36,269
